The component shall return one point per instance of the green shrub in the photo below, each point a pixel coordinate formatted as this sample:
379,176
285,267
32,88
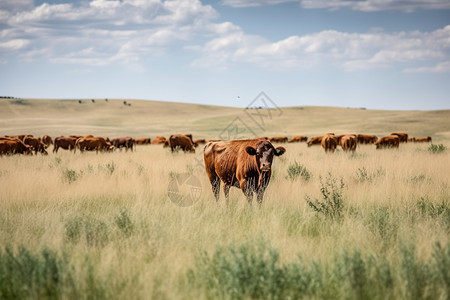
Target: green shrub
297,170
93,231
363,176
26,275
381,222
70,176
124,222
246,272
332,203
434,148
254,271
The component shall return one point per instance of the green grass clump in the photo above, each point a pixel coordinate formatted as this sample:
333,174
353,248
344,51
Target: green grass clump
255,271
435,148
27,275
296,170
331,205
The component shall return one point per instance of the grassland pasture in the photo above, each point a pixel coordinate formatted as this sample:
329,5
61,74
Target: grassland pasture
102,226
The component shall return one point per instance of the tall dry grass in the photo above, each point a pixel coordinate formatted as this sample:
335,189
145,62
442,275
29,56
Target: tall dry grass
110,215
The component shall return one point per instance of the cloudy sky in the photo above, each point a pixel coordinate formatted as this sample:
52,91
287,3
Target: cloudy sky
380,54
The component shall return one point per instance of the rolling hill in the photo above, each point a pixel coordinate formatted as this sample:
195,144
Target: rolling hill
150,118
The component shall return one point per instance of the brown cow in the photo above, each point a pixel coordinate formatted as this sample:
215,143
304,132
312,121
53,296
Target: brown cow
411,140
298,139
423,139
126,142
36,145
143,141
245,164
159,140
348,142
64,142
403,136
317,140
329,142
47,140
189,135
92,143
20,136
390,141
181,141
13,146
199,141
278,139
367,138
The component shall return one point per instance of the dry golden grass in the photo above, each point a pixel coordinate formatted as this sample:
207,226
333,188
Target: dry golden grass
152,118
112,210
42,195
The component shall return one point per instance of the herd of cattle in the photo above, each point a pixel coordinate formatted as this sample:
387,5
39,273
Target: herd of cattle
27,144
245,164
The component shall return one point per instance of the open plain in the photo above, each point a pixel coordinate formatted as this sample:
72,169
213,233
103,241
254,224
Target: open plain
373,224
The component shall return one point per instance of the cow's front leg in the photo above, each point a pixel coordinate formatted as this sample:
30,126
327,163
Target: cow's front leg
247,187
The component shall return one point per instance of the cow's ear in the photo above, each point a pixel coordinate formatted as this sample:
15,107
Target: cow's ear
279,151
251,150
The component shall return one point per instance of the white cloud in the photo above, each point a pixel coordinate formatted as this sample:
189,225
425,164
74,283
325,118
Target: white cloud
362,5
14,44
443,67
253,3
350,51
378,5
102,32
114,31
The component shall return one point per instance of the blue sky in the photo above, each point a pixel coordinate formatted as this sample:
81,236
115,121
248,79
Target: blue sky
379,54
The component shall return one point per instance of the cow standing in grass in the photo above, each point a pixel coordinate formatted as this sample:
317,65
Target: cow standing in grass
245,164
348,142
402,136
390,141
329,142
181,141
64,142
317,140
36,144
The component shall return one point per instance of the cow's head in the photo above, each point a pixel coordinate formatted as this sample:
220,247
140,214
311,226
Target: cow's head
264,153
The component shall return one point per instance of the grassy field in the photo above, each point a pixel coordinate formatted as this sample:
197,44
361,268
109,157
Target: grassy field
150,118
89,226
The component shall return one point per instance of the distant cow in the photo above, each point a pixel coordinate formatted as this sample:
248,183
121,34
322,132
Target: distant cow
64,142
278,139
92,143
348,142
298,139
423,139
329,142
367,138
411,140
245,164
47,140
20,136
317,140
13,146
143,141
189,135
181,141
36,144
390,141
403,136
126,142
199,141
159,140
